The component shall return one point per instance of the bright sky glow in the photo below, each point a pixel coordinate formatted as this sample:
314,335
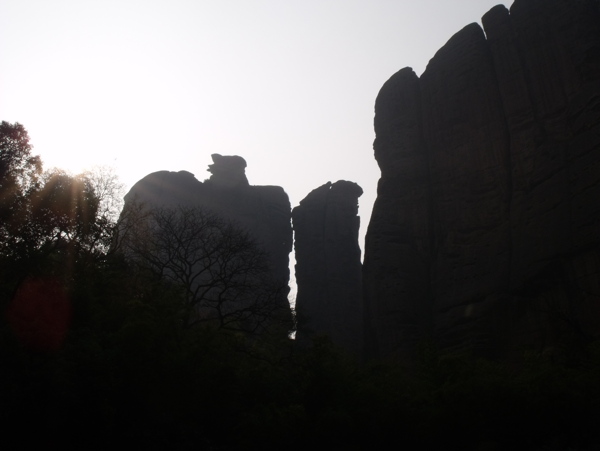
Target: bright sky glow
146,85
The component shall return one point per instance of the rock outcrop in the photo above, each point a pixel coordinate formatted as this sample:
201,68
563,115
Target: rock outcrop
328,266
485,234
263,211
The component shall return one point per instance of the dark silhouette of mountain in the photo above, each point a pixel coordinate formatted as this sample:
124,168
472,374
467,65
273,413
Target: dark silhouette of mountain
486,230
262,211
328,267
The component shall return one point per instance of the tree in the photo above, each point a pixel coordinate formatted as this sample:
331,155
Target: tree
50,222
19,177
19,169
108,189
223,273
80,211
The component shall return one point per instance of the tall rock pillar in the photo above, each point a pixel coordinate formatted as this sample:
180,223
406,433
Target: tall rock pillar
485,234
328,267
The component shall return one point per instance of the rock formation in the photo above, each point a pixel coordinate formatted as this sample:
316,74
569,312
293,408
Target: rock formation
328,267
486,230
264,211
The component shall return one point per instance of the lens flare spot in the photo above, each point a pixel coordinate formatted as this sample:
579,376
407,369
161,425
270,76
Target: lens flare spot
40,314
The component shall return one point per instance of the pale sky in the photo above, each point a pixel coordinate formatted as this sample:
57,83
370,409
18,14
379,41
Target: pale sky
148,85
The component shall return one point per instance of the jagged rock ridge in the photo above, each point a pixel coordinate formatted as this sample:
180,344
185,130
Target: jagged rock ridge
328,266
486,228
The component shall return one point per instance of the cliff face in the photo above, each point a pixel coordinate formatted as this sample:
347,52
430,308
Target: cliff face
263,211
328,267
486,227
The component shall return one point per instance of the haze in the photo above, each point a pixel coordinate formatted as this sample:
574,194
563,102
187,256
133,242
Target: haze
151,85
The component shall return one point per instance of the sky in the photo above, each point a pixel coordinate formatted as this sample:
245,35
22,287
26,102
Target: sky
148,85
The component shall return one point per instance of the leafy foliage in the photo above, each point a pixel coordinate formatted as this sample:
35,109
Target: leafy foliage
51,214
19,169
19,177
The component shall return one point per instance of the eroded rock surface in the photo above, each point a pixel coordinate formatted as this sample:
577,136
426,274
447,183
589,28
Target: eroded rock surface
486,228
328,266
264,211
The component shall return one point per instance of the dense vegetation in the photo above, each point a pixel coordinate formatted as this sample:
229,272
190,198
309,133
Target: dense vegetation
98,352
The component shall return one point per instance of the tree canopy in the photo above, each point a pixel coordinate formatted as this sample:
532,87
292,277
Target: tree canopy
17,165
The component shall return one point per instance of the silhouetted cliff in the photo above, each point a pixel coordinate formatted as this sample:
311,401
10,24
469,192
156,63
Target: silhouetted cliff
486,228
328,267
263,211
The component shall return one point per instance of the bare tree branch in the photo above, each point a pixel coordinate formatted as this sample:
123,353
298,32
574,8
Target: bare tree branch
224,273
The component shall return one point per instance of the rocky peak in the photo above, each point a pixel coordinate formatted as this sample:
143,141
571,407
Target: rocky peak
328,267
262,211
490,183
227,171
